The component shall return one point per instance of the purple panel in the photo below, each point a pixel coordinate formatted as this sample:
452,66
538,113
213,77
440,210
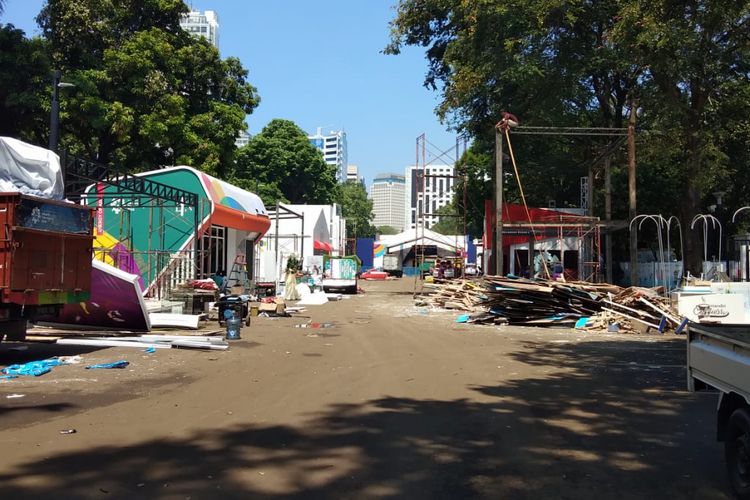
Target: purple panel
115,304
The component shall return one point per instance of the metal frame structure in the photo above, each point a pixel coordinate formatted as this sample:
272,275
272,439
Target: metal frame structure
136,191
423,148
619,136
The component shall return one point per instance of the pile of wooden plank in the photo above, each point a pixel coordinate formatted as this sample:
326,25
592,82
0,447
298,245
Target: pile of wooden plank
637,309
519,301
463,295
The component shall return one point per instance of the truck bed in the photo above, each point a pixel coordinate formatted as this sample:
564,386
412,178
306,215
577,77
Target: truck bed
719,355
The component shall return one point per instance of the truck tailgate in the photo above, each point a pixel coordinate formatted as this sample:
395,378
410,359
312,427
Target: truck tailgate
719,355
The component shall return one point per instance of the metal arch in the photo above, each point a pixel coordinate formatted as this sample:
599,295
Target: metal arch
658,221
738,211
714,221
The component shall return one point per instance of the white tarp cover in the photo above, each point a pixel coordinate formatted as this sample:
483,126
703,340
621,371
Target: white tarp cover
29,169
411,237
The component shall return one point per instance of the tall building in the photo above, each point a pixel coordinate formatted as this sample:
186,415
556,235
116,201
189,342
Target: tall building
388,195
333,146
437,192
205,25
242,139
352,173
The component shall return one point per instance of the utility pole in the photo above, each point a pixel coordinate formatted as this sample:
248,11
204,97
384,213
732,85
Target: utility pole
632,212
507,121
608,218
497,250
54,116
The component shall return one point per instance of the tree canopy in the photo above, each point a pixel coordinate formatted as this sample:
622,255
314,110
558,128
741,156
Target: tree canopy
386,230
569,63
356,208
146,92
280,164
24,73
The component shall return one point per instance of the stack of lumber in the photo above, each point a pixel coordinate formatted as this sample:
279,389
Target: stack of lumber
519,301
463,295
541,302
637,309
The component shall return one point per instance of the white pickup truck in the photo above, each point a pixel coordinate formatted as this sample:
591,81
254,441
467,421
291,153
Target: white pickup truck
718,356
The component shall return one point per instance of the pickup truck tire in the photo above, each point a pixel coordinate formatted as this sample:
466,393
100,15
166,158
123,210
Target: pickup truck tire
737,452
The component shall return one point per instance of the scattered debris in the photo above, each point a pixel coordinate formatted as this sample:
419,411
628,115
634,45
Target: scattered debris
108,366
68,431
212,342
518,301
167,320
36,368
15,396
314,325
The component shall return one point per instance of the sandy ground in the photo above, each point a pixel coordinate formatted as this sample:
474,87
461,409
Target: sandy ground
393,401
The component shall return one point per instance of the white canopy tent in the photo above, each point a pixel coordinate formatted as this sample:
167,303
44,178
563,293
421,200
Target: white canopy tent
407,239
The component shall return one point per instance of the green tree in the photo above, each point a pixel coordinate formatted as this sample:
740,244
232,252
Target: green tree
570,63
385,230
280,164
147,93
695,56
356,208
25,86
451,223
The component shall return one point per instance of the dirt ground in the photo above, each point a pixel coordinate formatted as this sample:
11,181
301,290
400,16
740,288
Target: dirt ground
393,401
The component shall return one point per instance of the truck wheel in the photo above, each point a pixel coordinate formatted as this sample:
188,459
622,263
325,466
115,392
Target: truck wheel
737,452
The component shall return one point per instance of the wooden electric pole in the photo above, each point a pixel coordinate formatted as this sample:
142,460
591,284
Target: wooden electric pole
632,212
497,250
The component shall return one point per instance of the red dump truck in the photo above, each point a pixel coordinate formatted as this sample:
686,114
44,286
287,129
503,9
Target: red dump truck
45,258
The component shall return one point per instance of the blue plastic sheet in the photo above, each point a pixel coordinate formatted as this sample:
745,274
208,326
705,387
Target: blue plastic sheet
463,318
581,323
32,368
115,364
5,377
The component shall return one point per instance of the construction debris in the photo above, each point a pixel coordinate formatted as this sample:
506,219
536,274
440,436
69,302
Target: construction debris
155,341
592,306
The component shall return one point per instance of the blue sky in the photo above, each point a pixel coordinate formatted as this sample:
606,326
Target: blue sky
319,64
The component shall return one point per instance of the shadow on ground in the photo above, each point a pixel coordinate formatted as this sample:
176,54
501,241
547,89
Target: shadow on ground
609,420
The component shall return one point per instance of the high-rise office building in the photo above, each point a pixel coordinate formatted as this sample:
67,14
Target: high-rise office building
387,193
352,173
333,146
205,25
437,192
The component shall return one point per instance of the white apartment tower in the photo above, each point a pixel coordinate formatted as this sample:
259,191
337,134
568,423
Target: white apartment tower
333,146
205,25
243,138
388,195
437,192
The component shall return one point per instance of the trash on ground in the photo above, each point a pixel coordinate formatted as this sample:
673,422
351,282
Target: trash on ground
314,299
463,318
150,350
15,396
527,302
315,325
35,368
68,431
155,341
108,366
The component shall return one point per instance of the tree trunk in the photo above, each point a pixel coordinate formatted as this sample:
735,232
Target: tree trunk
690,206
